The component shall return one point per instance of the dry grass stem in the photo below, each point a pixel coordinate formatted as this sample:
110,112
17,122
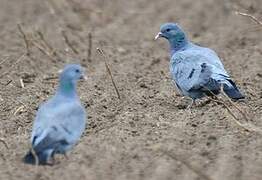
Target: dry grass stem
48,46
253,18
195,169
109,71
22,83
90,45
247,127
19,109
14,64
5,143
50,78
8,82
232,114
43,50
25,106
4,60
39,42
233,104
35,156
69,44
26,40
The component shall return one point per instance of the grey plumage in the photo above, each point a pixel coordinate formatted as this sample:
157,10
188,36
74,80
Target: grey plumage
197,71
60,121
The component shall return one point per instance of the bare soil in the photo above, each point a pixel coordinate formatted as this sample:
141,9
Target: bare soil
148,133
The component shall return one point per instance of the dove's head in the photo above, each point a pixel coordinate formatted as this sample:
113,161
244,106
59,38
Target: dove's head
72,73
174,34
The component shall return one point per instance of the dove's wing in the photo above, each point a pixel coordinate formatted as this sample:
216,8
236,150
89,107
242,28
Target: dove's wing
193,69
62,125
210,55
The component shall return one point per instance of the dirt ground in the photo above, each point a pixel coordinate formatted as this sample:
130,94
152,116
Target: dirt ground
148,134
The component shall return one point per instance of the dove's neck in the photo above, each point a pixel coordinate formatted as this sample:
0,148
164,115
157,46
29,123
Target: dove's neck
67,89
178,43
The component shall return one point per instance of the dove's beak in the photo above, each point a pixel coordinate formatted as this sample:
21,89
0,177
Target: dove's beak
83,77
60,71
158,35
83,74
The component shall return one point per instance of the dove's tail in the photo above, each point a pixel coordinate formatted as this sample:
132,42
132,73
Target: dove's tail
39,158
232,91
29,158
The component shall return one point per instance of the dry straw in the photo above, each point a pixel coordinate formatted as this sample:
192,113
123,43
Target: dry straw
101,52
193,168
246,126
253,18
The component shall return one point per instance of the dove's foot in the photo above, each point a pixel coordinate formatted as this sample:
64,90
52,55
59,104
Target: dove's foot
189,107
66,156
204,102
193,103
51,162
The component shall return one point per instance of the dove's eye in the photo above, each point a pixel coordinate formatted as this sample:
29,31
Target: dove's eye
167,30
77,71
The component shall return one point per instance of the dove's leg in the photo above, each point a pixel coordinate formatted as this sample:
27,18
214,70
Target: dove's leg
51,162
50,159
66,156
193,103
189,107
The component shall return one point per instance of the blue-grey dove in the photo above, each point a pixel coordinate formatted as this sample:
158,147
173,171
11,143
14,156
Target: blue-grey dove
60,121
197,71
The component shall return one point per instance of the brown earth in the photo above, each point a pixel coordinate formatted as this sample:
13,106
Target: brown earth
148,134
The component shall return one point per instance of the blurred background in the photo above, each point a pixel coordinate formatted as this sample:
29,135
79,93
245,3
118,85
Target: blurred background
147,134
